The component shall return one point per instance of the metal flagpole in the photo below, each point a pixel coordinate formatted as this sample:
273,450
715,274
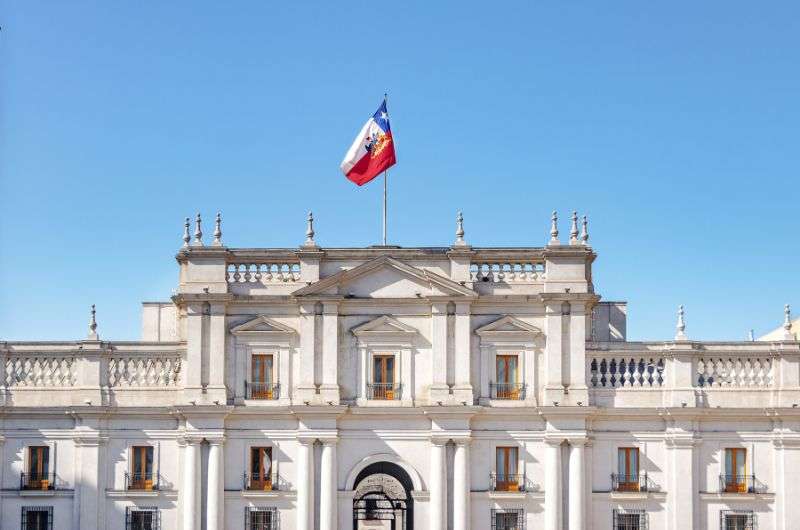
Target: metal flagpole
385,177
385,180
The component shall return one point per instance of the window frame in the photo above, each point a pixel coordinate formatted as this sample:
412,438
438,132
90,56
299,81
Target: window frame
643,518
520,513
510,459
26,509
130,510
153,482
272,380
740,485
628,472
750,524
266,484
250,510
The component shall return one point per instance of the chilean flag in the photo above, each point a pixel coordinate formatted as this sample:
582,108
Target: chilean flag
372,151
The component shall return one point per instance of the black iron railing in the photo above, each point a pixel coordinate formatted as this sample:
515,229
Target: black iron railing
629,482
738,484
37,481
507,482
265,482
142,481
386,391
261,390
512,391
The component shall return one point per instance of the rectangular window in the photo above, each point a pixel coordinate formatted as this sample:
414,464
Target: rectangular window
261,377
37,518
629,520
506,477
737,520
508,520
383,377
735,470
627,469
38,476
507,377
261,518
260,468
146,518
141,477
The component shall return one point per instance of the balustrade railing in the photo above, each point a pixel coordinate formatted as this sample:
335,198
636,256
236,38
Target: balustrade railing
150,370
507,482
142,481
739,484
40,370
629,482
735,371
507,272
265,482
261,390
626,372
509,391
37,481
384,391
263,273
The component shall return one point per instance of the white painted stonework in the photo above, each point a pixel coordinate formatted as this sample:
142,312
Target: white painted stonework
352,447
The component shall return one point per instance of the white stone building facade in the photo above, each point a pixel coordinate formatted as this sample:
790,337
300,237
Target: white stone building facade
457,388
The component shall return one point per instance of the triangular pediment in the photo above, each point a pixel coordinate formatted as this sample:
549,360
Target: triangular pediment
386,277
508,325
262,325
384,325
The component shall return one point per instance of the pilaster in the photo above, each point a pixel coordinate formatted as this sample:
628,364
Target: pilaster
306,389
439,390
462,392
329,391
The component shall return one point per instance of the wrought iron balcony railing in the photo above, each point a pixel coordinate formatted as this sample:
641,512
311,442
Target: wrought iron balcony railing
37,481
507,482
266,482
385,391
261,390
511,391
629,482
739,484
142,481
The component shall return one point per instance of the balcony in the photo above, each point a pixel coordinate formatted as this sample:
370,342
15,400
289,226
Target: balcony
261,390
142,481
383,391
37,481
507,391
739,484
257,482
507,482
629,483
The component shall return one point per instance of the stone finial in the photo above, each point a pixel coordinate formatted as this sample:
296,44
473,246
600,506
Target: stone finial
554,229
585,231
681,326
750,336
186,236
218,231
460,231
787,323
93,325
310,231
198,231
573,231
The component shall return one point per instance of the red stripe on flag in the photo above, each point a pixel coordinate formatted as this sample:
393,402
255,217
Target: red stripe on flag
368,167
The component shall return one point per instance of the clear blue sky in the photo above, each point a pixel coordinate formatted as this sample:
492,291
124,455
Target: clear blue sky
674,126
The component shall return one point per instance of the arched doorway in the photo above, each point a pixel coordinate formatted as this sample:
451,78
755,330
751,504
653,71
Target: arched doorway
382,498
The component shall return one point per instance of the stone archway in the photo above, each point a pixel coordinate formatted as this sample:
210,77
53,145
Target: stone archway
382,498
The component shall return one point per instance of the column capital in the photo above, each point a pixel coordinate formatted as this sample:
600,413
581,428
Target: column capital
464,441
439,440
190,439
219,440
329,440
553,441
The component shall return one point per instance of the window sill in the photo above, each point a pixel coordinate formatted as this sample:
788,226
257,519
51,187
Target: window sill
46,493
141,494
728,497
260,494
630,495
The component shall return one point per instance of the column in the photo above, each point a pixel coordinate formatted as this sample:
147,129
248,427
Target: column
461,486
439,390
329,491
89,482
436,505
552,485
682,482
305,484
191,494
330,352
577,485
215,504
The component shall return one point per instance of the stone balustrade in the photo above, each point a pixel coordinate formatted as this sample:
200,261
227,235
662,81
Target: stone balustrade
507,272
49,373
263,273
